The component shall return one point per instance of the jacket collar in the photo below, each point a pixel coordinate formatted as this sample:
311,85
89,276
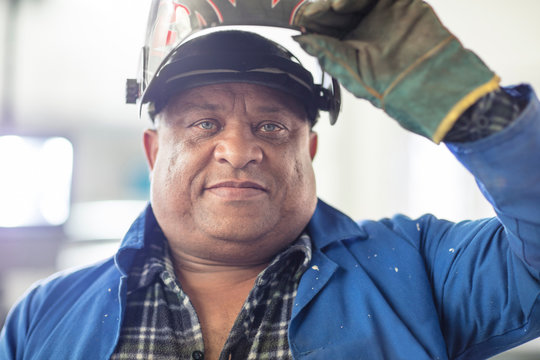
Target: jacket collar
328,225
140,230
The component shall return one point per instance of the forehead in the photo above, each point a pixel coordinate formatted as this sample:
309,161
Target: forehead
253,97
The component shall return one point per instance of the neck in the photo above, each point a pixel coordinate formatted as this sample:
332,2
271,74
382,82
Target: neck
217,292
201,274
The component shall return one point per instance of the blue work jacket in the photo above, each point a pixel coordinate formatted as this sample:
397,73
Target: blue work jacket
392,289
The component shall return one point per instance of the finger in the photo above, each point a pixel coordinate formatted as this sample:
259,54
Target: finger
351,6
327,22
316,8
321,17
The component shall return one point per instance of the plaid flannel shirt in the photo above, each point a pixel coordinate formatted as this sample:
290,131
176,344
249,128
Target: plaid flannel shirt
161,323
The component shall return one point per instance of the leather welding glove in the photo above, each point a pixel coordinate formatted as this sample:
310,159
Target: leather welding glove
397,55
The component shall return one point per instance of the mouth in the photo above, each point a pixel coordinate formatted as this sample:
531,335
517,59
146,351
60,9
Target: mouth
237,190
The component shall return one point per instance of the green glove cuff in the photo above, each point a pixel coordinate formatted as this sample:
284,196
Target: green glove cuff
429,96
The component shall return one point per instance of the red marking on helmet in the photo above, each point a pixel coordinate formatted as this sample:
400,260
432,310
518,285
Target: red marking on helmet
186,9
171,37
275,2
216,10
200,18
295,10
162,27
171,34
233,2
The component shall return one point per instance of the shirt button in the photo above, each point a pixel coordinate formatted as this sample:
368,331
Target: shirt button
197,355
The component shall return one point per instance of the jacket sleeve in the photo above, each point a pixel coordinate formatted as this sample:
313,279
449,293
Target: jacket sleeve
486,273
62,316
507,169
13,335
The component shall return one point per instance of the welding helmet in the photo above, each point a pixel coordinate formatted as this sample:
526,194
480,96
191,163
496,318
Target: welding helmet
185,49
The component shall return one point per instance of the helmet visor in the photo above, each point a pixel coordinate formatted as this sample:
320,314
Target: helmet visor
171,21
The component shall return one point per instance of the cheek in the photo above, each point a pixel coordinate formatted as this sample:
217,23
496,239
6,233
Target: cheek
172,175
299,179
304,162
306,175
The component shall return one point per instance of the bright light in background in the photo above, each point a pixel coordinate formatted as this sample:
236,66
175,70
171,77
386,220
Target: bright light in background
36,180
102,220
96,228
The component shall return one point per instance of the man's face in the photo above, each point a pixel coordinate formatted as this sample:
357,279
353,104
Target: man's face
232,179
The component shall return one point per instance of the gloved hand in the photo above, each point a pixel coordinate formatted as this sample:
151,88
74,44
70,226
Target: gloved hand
396,54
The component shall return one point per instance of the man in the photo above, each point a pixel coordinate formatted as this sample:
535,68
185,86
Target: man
236,258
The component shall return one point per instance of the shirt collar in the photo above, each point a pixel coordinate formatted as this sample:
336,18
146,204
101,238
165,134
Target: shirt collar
149,263
284,262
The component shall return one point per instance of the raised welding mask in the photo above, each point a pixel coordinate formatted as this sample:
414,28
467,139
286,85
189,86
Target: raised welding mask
170,63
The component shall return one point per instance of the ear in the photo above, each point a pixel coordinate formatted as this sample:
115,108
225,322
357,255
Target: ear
151,145
313,139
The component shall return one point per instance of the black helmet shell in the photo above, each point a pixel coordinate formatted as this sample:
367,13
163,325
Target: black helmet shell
232,56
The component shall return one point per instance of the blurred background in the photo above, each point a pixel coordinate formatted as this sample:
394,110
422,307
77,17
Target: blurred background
70,149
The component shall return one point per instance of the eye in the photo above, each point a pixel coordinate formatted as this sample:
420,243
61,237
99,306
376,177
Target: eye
270,127
206,125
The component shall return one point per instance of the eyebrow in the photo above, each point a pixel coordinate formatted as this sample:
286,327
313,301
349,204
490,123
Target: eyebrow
194,106
190,106
271,109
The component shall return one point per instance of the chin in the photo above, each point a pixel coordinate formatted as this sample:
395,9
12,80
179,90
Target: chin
243,229
246,245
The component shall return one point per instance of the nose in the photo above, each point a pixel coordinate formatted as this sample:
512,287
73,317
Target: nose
238,147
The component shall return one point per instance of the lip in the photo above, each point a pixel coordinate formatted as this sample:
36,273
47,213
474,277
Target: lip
236,190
